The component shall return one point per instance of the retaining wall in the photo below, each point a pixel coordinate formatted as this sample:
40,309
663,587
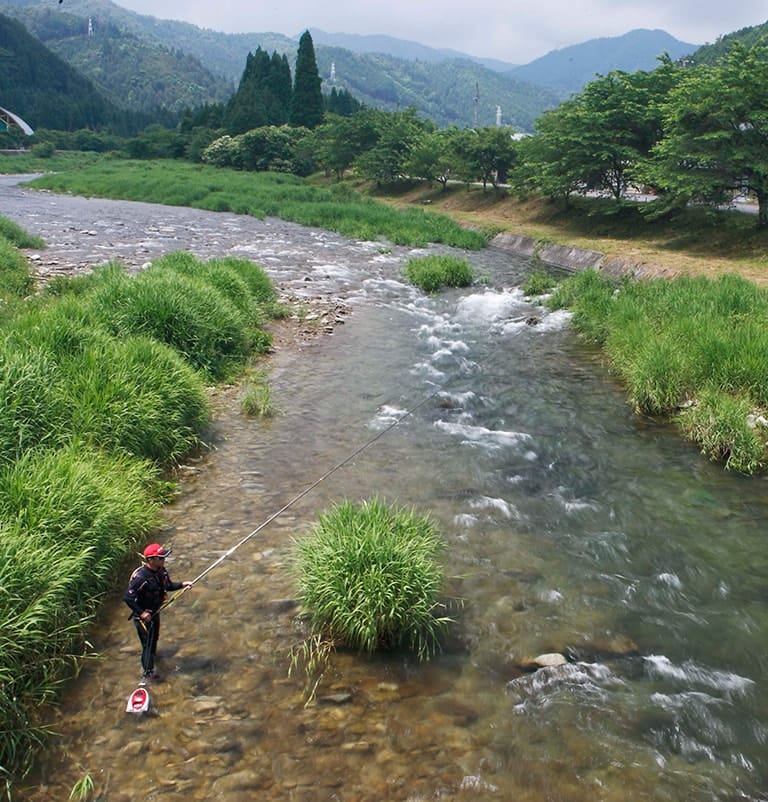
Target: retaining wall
577,259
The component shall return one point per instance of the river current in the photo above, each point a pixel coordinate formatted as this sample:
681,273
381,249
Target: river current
571,525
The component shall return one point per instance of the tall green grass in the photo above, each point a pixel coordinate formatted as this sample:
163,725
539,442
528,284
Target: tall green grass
102,385
67,519
691,349
261,195
15,277
368,578
431,273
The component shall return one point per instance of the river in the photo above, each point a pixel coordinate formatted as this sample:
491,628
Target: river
571,525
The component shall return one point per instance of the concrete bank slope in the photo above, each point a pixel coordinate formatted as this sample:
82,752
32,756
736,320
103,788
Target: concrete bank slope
577,259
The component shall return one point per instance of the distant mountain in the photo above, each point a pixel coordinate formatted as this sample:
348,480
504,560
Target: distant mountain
570,69
42,88
148,62
400,48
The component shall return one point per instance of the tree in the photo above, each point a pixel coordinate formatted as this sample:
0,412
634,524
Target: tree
263,96
307,100
485,154
596,140
342,102
398,132
716,133
341,140
431,156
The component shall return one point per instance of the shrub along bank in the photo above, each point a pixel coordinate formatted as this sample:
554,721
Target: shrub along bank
102,386
690,349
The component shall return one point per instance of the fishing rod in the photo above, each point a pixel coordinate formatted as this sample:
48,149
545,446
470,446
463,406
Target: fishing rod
294,500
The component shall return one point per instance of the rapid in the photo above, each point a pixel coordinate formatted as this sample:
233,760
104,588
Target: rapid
571,526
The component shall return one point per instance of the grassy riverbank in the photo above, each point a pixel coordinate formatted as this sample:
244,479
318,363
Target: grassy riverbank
694,242
691,350
333,207
103,387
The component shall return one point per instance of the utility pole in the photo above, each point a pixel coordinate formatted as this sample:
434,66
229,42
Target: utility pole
476,99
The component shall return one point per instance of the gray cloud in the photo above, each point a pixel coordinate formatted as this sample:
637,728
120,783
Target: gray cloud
512,30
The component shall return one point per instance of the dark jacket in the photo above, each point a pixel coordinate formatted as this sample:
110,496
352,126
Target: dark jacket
147,589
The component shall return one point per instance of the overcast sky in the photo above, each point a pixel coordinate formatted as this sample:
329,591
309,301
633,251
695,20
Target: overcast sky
516,31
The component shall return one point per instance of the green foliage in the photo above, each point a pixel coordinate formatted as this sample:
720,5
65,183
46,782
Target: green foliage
713,144
307,99
263,96
43,150
15,234
430,273
596,139
368,578
185,312
83,789
67,519
728,430
484,155
692,349
62,379
15,278
443,91
539,282
256,400
396,134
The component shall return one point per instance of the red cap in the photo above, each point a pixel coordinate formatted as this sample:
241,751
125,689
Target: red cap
156,550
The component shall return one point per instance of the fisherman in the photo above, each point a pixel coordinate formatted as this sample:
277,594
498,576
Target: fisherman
147,590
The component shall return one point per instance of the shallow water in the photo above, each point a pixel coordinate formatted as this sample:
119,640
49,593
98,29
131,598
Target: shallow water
571,525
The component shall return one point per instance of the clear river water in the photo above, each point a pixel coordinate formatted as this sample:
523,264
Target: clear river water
571,525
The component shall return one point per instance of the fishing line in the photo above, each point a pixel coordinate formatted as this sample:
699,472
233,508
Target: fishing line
295,499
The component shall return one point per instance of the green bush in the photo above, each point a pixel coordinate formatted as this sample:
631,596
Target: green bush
62,379
368,578
430,273
537,283
182,311
136,395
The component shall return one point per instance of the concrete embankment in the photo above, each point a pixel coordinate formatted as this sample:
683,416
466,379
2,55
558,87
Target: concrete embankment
577,259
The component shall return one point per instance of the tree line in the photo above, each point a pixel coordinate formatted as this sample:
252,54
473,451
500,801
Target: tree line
686,133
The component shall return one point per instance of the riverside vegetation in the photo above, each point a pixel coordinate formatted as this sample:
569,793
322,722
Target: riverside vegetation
102,389
719,394
368,579
103,386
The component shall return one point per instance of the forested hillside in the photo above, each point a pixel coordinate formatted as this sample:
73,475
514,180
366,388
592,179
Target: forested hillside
43,89
441,91
712,53
132,72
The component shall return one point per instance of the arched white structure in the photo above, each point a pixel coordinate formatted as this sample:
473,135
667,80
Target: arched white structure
8,117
